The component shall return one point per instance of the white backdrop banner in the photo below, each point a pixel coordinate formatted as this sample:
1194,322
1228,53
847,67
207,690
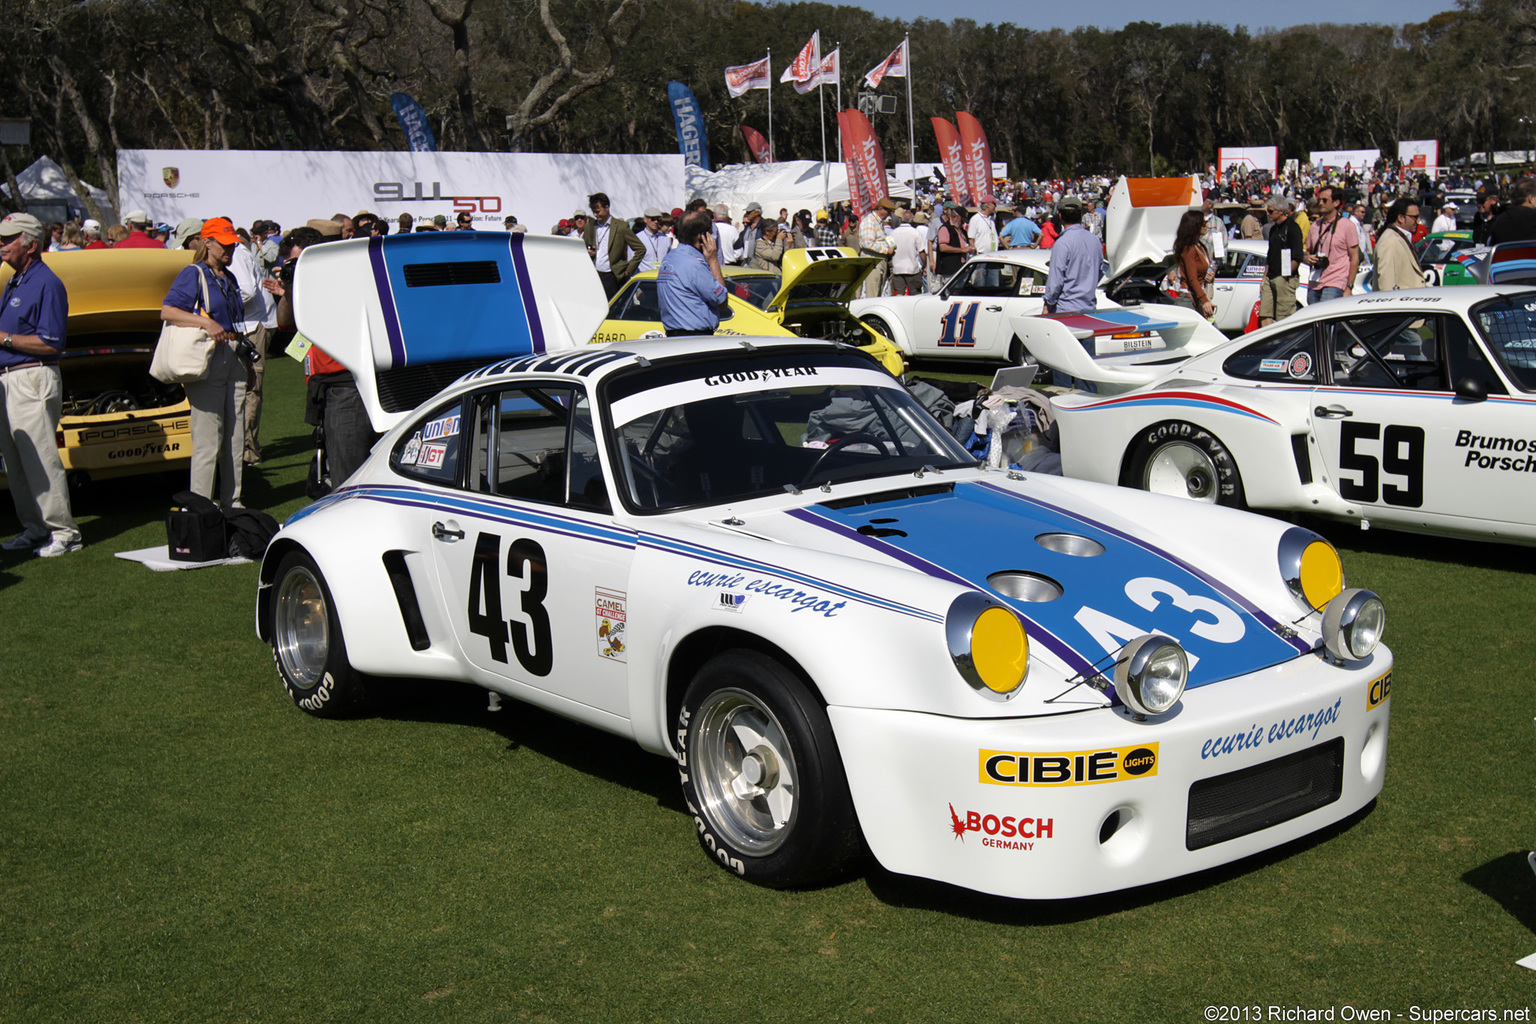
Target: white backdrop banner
1354,159
291,187
1262,158
1429,149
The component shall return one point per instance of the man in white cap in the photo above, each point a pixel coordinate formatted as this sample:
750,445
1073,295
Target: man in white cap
91,229
1447,219
138,232
33,313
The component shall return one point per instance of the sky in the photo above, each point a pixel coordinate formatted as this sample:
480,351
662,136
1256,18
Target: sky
1114,14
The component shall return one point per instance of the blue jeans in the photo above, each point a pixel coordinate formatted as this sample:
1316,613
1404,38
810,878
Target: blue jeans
1316,295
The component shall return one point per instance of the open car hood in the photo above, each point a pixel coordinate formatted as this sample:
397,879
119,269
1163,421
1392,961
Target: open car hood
114,289
1142,217
410,314
824,275
1117,349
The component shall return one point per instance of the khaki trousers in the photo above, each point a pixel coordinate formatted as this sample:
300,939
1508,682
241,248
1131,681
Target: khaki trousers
218,427
29,424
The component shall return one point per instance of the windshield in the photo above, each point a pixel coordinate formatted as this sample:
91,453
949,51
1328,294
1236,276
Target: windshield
728,430
1508,324
757,289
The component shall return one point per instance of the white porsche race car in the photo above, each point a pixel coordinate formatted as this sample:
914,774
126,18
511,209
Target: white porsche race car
1412,410
760,557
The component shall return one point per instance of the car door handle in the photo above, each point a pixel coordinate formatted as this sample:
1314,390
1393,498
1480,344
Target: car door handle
1223,287
994,309
1332,412
442,532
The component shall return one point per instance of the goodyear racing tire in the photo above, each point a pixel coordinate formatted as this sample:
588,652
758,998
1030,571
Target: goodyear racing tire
1186,461
761,774
307,644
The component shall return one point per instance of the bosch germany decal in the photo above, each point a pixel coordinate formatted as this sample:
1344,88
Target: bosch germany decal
1005,832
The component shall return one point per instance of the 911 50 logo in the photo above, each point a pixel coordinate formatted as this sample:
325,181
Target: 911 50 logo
1067,768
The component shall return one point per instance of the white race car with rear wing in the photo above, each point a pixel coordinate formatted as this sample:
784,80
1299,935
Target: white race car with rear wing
761,558
1411,410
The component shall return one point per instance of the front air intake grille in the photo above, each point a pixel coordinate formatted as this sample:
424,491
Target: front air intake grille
403,388
1232,805
433,275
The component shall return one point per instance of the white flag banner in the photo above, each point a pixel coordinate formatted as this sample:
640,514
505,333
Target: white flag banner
806,62
746,77
894,66
830,71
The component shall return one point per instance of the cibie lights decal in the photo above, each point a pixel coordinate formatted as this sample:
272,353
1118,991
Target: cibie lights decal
1067,768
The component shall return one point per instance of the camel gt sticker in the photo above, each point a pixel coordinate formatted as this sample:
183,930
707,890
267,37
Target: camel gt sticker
612,617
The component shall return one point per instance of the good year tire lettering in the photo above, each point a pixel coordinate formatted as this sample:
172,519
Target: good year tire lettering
532,641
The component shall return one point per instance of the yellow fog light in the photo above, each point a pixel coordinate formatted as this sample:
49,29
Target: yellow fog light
1311,568
988,644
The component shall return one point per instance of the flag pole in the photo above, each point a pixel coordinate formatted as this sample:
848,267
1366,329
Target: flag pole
822,105
770,104
911,133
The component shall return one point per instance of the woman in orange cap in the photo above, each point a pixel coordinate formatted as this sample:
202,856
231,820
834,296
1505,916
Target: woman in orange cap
205,295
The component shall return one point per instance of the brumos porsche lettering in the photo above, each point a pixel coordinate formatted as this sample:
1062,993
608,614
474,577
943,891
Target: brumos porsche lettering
1257,735
1067,768
1002,833
766,373
1481,452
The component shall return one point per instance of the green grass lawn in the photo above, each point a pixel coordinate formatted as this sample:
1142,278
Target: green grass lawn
179,843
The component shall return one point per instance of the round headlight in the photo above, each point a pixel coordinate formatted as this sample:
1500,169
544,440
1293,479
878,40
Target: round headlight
1311,567
1150,674
988,644
1353,624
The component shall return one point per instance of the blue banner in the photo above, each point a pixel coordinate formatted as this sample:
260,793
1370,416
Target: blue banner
689,118
413,121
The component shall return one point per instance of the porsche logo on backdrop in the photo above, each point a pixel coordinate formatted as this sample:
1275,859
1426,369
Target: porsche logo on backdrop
170,175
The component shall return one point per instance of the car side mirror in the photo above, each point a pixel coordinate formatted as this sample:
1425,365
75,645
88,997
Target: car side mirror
1470,389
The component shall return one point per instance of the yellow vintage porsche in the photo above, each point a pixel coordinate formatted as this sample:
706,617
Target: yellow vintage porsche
810,300
118,420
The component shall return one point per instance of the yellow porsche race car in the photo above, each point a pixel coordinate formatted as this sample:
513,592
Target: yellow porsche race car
118,420
809,301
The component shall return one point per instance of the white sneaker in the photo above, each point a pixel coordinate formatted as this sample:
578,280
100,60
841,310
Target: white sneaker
58,547
20,542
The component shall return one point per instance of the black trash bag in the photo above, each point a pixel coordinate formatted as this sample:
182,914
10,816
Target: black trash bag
250,531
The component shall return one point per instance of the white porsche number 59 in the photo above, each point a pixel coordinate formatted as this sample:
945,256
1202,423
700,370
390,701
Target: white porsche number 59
762,558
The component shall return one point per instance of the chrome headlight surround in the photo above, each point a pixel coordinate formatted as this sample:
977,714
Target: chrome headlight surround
1311,568
1150,674
1353,624
988,644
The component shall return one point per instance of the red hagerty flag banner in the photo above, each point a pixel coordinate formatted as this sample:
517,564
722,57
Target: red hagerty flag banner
830,71
757,144
977,156
895,66
806,62
745,77
865,161
952,152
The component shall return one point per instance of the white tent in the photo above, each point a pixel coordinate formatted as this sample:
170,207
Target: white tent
789,184
46,190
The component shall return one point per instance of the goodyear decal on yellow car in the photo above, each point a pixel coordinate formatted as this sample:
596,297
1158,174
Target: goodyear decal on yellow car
1067,768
